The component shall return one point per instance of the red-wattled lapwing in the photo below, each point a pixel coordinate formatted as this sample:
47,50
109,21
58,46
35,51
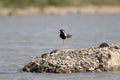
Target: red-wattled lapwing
63,35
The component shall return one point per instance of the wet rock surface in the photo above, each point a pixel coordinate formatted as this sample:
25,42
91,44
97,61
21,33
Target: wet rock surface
95,59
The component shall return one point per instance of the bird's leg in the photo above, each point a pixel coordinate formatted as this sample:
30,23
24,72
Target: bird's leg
63,42
66,43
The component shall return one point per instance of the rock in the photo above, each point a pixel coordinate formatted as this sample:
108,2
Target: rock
98,59
104,45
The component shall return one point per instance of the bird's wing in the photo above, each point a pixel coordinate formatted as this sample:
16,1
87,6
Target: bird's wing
68,35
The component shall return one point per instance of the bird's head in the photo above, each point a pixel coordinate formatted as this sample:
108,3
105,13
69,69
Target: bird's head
62,30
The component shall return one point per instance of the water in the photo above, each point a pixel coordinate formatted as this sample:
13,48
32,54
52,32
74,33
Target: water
24,38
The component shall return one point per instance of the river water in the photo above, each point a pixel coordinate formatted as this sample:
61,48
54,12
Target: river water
24,38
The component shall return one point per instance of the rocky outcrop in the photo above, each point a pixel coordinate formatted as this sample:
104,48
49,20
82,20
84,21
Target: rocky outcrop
95,59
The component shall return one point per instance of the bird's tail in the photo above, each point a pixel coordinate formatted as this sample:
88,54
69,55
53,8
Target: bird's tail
69,36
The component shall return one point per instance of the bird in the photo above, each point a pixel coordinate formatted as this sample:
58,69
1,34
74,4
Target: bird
63,35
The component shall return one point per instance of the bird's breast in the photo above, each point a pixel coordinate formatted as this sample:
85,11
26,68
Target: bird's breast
62,35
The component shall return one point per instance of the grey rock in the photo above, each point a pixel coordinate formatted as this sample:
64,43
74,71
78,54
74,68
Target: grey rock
98,59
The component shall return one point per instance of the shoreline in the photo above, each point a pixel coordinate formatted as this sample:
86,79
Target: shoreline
52,10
